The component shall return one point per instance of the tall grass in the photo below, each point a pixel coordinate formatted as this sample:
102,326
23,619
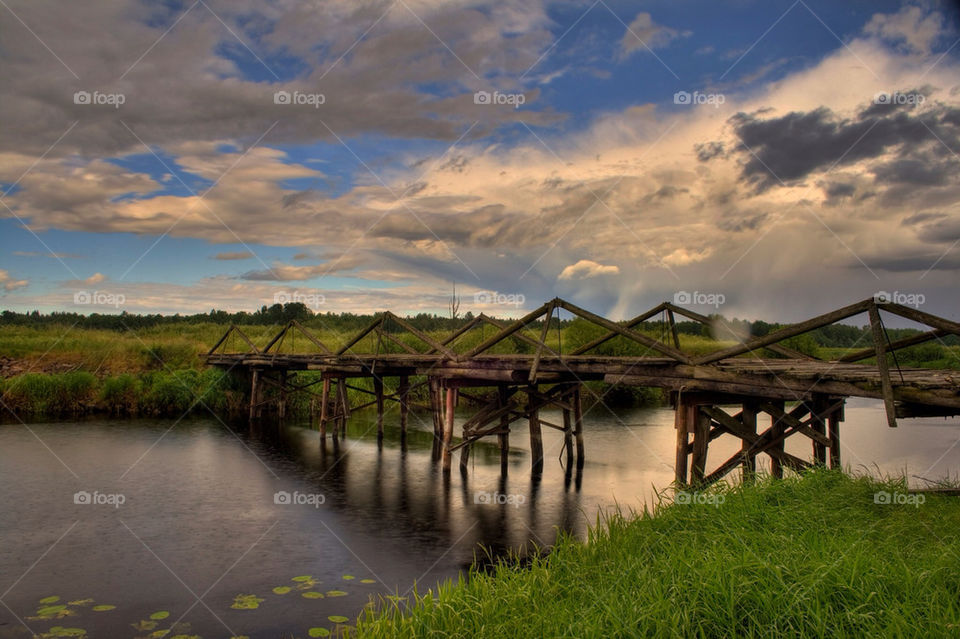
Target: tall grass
811,556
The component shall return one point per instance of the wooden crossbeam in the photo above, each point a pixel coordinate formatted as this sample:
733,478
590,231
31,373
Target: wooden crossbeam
608,336
669,351
423,337
532,378
880,346
786,332
359,336
233,329
506,332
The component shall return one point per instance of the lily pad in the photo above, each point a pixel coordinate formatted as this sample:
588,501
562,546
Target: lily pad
318,632
162,614
52,612
312,595
336,593
282,590
246,602
103,607
50,600
349,577
302,578
158,634
81,602
368,581
338,619
144,625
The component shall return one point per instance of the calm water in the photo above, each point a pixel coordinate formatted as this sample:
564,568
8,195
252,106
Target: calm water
199,525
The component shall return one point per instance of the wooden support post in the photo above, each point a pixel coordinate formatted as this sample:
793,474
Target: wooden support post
683,439
255,390
749,420
880,346
282,402
568,433
578,425
448,428
536,437
819,425
833,429
404,390
324,405
503,437
701,439
378,394
778,426
436,406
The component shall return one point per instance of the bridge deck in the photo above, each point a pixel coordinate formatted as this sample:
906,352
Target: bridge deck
776,378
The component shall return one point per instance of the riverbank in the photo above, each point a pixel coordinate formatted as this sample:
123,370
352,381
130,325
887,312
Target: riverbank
812,556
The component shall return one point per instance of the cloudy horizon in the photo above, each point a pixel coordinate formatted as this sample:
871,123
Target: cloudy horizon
787,158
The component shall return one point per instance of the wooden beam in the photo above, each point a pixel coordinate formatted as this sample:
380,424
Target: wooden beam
532,378
451,402
786,332
880,347
680,423
536,437
578,425
630,324
359,336
423,337
748,418
701,437
932,321
509,330
867,353
670,352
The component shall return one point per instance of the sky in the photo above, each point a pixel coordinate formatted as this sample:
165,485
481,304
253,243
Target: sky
760,159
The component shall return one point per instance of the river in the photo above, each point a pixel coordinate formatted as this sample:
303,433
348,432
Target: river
224,531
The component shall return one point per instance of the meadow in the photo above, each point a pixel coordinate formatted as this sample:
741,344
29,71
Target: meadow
810,556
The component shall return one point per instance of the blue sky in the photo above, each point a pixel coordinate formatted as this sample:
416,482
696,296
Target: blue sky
200,191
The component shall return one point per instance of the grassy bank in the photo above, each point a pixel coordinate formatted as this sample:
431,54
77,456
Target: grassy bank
797,557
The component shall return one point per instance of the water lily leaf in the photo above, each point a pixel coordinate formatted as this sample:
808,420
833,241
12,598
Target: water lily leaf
50,600
282,590
338,619
318,632
162,614
349,577
368,581
103,607
52,612
302,578
144,625
81,602
158,634
336,593
312,595
246,602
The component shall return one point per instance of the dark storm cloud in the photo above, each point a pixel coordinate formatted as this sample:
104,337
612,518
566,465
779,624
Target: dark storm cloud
791,147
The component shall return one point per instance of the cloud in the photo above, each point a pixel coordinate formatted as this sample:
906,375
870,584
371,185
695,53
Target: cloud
238,255
643,33
10,284
585,269
96,278
912,27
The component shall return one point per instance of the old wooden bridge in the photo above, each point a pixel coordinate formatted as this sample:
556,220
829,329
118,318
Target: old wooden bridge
759,377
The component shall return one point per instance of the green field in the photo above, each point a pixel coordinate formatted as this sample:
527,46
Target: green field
801,557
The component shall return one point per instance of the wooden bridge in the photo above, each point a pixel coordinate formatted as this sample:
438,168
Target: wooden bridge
760,376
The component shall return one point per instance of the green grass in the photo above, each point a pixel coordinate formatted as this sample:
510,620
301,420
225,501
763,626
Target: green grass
811,556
